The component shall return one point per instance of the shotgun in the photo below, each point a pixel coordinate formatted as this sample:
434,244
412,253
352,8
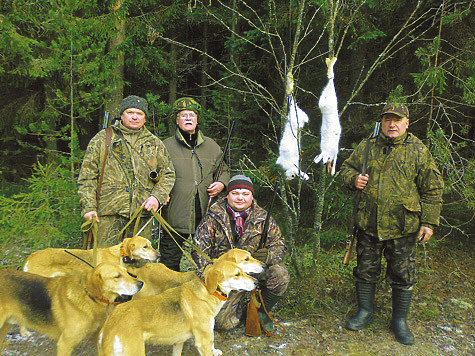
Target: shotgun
263,240
220,168
350,238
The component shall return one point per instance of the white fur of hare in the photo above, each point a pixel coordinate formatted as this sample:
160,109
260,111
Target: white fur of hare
289,155
331,129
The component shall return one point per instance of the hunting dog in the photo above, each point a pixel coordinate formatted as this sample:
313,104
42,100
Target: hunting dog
53,262
158,278
67,309
175,315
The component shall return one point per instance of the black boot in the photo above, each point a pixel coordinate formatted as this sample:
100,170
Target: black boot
401,305
364,317
270,299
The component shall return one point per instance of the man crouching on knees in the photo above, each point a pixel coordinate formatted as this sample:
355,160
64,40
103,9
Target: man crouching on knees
236,221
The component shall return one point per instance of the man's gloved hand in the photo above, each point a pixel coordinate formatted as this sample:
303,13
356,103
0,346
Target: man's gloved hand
261,255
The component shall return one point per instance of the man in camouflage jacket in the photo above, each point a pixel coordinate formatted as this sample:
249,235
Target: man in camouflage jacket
400,203
236,221
133,154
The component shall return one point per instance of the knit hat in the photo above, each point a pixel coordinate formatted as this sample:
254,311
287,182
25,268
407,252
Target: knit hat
400,110
186,104
134,101
240,182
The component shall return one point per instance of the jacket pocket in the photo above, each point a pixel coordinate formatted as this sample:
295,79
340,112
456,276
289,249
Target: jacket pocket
362,215
412,217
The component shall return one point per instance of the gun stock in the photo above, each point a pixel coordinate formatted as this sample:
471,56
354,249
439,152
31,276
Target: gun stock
350,241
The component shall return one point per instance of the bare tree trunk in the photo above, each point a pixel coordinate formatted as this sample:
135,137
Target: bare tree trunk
204,66
317,223
115,99
172,87
321,180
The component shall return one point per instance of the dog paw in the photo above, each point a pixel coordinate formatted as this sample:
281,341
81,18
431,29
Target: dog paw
217,352
24,332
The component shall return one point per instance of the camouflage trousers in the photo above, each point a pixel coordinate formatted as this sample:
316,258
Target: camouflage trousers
275,278
400,255
110,225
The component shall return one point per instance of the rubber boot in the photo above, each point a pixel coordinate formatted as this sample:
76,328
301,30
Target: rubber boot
401,306
270,299
365,295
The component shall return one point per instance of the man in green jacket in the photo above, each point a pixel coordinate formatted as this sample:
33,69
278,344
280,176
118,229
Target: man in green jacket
195,158
135,155
401,199
237,221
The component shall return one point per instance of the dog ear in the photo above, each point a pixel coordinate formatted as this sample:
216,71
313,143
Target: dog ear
128,246
212,280
94,284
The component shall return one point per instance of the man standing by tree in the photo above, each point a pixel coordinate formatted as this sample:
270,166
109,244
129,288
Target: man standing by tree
236,221
135,156
401,199
195,158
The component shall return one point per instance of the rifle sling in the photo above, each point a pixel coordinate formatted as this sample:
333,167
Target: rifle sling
99,186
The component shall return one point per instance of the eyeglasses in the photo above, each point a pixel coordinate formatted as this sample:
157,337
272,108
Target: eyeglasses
185,116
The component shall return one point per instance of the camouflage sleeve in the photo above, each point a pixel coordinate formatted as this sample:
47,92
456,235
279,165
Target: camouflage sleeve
166,174
89,174
203,239
275,243
430,185
352,166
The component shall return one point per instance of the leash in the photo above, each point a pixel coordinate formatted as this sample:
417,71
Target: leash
166,226
89,229
79,258
268,333
170,230
135,217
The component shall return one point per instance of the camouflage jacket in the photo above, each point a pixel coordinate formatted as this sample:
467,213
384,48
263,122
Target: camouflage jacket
404,191
214,235
126,183
194,169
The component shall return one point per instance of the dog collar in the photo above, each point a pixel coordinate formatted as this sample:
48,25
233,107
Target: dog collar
125,259
94,299
216,294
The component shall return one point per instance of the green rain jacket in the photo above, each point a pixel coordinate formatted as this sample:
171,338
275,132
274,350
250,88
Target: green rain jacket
126,183
214,234
404,191
194,169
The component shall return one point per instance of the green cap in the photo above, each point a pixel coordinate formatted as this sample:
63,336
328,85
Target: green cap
134,101
398,109
186,104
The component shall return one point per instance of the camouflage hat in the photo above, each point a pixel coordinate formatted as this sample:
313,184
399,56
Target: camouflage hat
396,109
134,101
186,104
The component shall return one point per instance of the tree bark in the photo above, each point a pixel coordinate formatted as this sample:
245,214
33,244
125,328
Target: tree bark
115,98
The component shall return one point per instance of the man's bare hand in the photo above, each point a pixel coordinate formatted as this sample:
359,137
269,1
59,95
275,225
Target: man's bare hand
91,215
215,188
425,233
151,203
361,181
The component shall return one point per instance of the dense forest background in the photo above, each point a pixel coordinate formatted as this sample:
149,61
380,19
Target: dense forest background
65,63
